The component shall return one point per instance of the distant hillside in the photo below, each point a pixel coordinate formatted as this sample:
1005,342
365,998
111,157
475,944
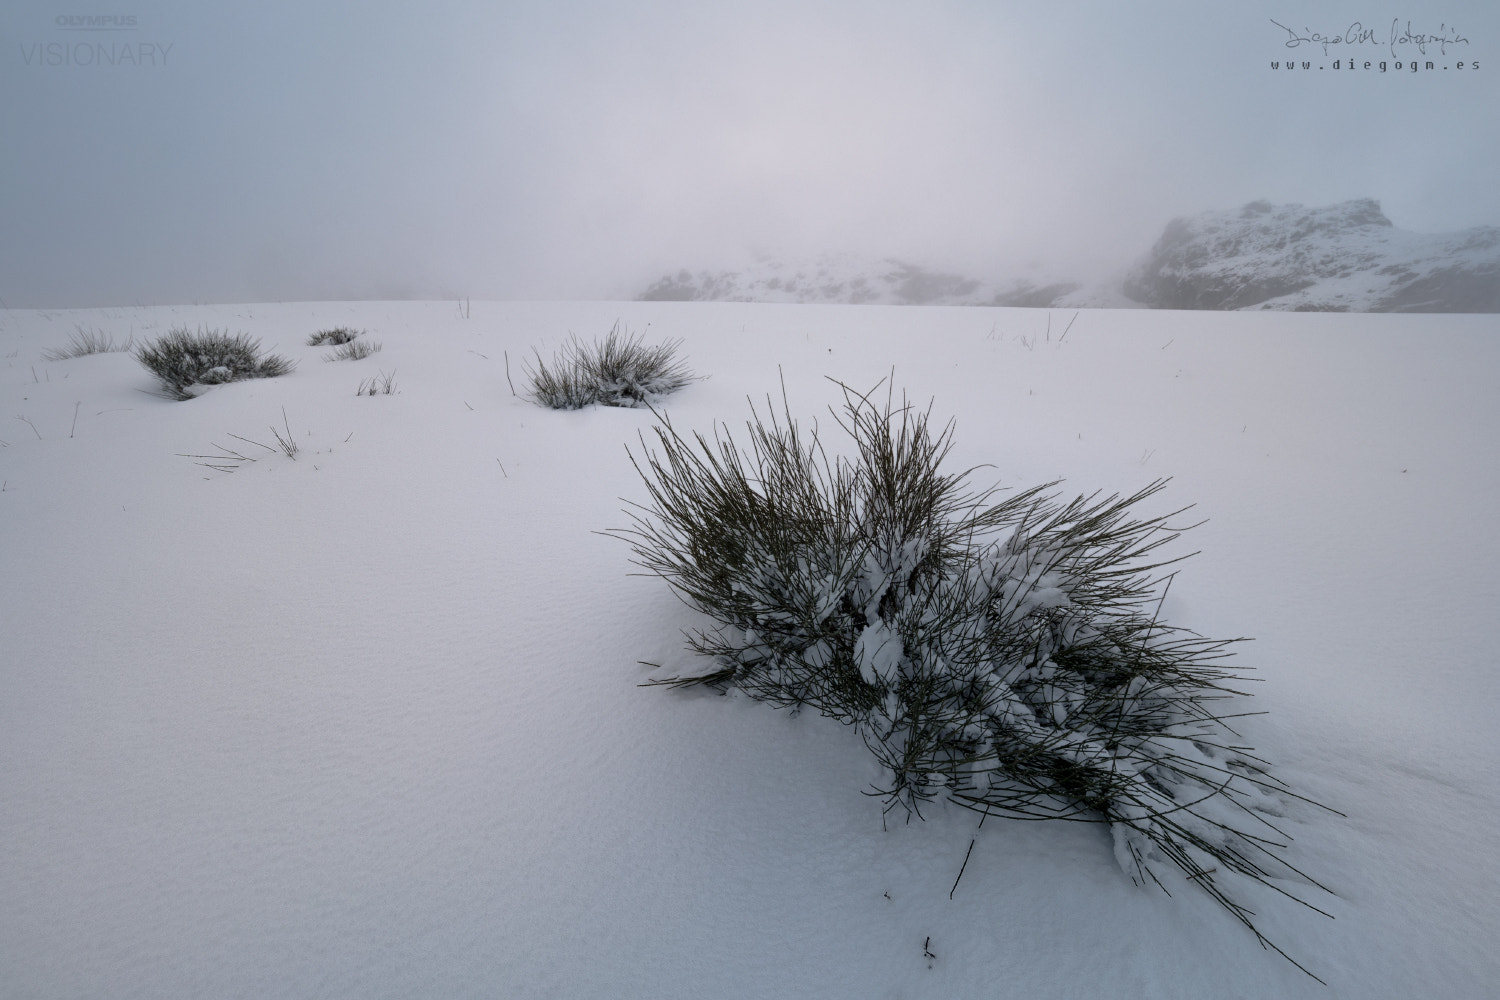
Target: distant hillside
848,278
1342,258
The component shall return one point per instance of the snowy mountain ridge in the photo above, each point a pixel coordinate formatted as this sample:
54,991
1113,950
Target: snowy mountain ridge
1339,258
852,279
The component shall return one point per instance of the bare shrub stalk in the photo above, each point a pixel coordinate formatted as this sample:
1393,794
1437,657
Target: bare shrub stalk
383,385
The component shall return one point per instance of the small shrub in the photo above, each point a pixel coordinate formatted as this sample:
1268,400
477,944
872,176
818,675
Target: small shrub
85,342
183,358
1003,654
353,350
621,370
338,335
385,385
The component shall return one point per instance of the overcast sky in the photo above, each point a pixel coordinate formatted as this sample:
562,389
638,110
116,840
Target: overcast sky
316,150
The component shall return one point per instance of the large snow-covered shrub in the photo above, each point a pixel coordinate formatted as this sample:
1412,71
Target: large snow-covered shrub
620,370
182,358
1001,651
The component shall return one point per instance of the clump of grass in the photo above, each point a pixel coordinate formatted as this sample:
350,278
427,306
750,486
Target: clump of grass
84,342
384,385
353,350
338,335
183,358
620,370
1004,654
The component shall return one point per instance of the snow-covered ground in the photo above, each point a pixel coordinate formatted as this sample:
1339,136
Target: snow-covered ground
367,723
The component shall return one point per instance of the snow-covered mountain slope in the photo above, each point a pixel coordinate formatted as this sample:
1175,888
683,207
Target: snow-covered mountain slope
1341,258
854,280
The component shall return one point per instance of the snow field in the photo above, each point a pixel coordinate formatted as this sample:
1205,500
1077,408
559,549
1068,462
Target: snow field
367,723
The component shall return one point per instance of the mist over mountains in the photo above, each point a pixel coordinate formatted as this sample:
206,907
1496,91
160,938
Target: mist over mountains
1346,257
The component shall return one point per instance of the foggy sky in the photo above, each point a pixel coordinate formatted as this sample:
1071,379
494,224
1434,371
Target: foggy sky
284,151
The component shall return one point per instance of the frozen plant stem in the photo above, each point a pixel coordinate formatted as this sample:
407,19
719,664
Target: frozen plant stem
226,460
32,426
961,868
1070,326
288,444
249,441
